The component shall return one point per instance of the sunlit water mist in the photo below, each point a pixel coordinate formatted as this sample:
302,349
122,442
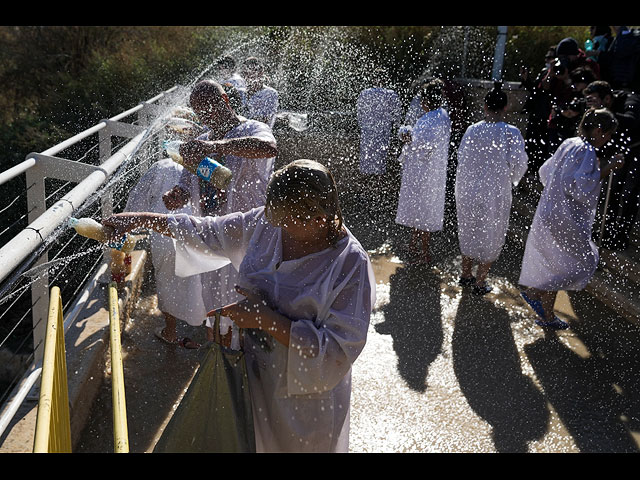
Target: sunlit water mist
314,69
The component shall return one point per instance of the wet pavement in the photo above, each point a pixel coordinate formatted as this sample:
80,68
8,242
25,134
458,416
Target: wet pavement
443,370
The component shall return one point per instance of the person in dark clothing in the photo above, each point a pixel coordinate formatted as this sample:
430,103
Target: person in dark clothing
537,106
571,56
601,38
565,117
620,63
624,197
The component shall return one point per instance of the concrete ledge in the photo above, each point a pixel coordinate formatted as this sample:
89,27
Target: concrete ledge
87,349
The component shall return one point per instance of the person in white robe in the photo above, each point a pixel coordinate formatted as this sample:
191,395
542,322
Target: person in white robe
248,148
424,160
259,100
309,290
491,161
179,298
560,253
378,110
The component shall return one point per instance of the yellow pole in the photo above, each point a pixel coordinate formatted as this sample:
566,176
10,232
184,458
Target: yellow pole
53,429
120,433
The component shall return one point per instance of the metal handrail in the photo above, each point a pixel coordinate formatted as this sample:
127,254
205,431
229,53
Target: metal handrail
30,242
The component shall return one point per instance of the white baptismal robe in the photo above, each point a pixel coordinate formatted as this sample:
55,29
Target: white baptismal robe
262,105
246,190
424,173
491,160
301,393
178,296
378,109
560,254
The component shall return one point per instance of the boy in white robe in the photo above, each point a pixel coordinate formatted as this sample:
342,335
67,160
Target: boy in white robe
424,172
179,298
309,291
259,101
491,161
560,253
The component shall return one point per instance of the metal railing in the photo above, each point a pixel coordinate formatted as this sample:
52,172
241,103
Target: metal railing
25,257
53,424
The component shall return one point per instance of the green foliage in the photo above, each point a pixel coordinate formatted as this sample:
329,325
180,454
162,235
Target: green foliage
59,80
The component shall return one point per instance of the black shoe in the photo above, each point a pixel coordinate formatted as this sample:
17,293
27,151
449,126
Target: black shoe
483,290
466,282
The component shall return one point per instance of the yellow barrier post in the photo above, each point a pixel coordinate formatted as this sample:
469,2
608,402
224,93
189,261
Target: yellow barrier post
120,430
53,427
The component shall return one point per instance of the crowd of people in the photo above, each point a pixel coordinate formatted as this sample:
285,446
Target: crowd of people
604,73
272,255
581,129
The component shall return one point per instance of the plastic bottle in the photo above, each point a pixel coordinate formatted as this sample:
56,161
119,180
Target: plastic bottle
90,228
588,45
208,169
120,251
184,112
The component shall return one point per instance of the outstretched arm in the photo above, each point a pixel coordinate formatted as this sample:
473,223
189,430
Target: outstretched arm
245,147
123,223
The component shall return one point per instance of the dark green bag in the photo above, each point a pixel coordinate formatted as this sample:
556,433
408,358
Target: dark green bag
215,414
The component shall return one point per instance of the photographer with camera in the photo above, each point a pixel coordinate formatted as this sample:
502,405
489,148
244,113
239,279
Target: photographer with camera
565,117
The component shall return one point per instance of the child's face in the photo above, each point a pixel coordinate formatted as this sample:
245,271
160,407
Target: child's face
600,138
305,230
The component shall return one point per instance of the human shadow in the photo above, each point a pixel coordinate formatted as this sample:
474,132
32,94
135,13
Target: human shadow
596,395
413,319
487,365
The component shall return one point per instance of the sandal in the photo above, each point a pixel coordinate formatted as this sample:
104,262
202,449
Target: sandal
160,334
189,344
467,282
536,305
185,342
481,289
555,324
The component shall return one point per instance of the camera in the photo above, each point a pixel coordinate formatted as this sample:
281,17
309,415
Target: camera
558,67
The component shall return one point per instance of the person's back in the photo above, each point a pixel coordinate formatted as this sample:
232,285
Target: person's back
621,62
486,156
378,108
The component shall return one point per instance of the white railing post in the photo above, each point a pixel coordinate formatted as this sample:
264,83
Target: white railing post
36,206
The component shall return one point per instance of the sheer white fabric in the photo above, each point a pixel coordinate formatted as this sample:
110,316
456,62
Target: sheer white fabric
247,190
424,173
300,393
491,161
178,296
560,254
378,110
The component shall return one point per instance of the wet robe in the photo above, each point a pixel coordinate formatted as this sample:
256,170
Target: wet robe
262,105
378,110
491,160
301,393
560,254
246,190
424,173
178,296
